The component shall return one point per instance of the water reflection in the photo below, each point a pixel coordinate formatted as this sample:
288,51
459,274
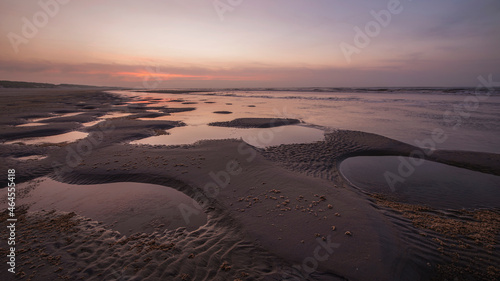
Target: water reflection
434,184
128,207
67,137
255,136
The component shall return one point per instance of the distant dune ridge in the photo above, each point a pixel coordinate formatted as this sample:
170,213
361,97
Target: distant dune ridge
19,84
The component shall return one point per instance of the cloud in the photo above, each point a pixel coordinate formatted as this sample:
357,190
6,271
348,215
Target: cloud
409,70
120,74
467,20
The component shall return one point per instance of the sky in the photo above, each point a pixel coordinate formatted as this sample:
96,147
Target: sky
250,43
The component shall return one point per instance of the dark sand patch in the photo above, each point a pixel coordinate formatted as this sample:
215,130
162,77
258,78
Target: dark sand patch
9,133
143,111
155,108
256,122
17,151
176,110
160,132
119,130
38,103
65,111
34,116
148,115
90,106
222,112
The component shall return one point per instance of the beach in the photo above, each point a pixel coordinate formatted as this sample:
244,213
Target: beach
265,199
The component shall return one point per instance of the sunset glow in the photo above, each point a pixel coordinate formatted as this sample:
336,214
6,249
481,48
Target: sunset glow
254,44
170,76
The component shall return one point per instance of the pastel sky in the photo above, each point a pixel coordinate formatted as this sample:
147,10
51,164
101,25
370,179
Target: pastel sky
250,43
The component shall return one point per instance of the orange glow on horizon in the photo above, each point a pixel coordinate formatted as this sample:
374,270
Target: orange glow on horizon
171,76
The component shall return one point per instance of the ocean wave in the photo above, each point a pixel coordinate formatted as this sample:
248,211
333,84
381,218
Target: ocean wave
312,93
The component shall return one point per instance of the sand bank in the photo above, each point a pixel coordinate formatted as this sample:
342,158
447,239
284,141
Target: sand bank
256,122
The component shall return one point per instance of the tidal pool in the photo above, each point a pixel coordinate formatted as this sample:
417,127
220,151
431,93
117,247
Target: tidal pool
36,120
434,184
108,115
128,207
258,137
66,137
31,157
32,124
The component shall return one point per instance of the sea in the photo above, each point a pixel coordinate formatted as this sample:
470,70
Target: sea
464,118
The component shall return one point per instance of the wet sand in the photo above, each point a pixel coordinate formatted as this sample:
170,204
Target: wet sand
256,122
276,213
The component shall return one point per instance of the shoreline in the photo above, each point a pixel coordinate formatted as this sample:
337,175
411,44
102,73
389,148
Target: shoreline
273,202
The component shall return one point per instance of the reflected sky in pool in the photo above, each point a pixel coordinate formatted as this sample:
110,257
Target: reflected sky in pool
434,184
66,137
258,137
